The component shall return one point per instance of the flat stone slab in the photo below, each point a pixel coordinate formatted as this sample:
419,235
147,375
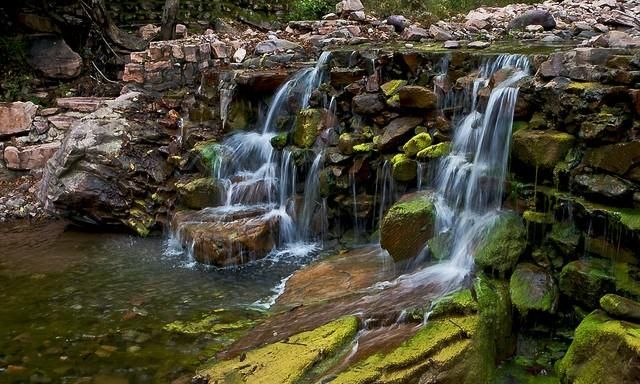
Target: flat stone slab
81,104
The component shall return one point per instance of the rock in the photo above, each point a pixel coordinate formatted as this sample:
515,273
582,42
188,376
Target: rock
50,55
533,289
81,104
390,88
415,33
416,144
398,22
620,307
439,34
415,96
503,244
479,44
534,17
542,149
181,31
261,81
308,124
604,350
435,151
585,281
396,130
347,6
201,193
407,225
451,44
108,168
615,158
617,39
534,28
358,16
552,39
286,361
31,157
276,45
239,55
368,104
16,117
403,168
148,32
221,239
605,188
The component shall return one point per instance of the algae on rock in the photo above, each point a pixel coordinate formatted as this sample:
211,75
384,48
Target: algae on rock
503,245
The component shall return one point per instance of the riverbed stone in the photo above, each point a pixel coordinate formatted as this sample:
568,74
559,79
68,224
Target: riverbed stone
307,126
285,361
533,289
416,144
503,245
408,225
541,149
604,350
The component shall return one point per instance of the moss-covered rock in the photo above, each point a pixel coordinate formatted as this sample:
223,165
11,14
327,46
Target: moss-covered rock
390,88
307,126
280,140
541,149
207,155
533,289
435,151
364,148
408,225
460,303
615,158
620,307
403,168
416,144
494,303
587,280
415,96
285,361
565,238
503,245
200,193
604,351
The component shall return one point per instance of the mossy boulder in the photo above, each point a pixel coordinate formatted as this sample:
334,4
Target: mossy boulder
280,140
200,193
604,351
416,144
390,88
415,96
308,124
587,280
347,141
460,303
207,155
408,225
541,149
494,303
533,289
435,151
565,238
615,158
503,245
620,307
403,168
285,361
606,188
364,148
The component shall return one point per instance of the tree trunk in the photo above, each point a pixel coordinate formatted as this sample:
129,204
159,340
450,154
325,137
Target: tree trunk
169,16
99,15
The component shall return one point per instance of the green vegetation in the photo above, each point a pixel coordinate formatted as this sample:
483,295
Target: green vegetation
424,9
310,9
15,77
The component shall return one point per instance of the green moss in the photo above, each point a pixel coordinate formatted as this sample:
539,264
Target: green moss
416,144
140,221
209,154
212,324
620,307
390,88
200,193
502,246
565,238
538,217
543,149
285,361
518,125
280,140
494,303
363,148
394,101
533,289
458,303
601,351
306,129
403,168
435,151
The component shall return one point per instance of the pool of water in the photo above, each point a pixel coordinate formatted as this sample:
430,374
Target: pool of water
81,307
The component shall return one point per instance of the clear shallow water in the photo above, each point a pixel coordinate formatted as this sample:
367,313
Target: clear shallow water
88,307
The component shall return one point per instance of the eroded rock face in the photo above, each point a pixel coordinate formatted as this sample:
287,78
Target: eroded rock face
51,55
107,170
16,117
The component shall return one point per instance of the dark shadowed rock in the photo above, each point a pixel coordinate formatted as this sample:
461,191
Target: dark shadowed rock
398,22
396,129
606,188
50,55
368,104
534,17
276,45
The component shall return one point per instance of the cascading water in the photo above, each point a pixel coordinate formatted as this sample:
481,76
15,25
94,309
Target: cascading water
469,181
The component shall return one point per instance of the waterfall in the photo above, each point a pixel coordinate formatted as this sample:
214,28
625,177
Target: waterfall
469,181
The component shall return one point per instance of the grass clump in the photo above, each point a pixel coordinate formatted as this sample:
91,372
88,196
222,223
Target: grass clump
310,9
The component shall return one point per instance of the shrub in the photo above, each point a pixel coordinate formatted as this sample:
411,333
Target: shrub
311,9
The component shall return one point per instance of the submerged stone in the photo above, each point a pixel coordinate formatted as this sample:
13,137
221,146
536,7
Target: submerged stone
533,289
307,126
604,350
503,245
403,168
286,361
408,225
416,144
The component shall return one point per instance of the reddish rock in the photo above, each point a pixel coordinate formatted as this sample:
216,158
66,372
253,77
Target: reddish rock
81,104
31,157
148,32
133,73
16,118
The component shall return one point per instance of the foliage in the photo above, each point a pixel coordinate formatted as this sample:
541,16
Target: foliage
15,80
310,9
420,9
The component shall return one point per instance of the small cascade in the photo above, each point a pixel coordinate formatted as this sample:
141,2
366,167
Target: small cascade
311,204
469,181
387,186
227,89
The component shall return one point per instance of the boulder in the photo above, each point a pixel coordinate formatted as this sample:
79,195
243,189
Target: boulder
346,6
16,117
617,39
50,55
109,169
604,350
542,149
407,225
415,33
200,193
30,157
396,130
416,144
415,96
391,87
308,124
276,45
606,188
368,104
503,244
403,168
615,158
534,17
479,44
435,151
440,34
398,22
533,289
620,307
